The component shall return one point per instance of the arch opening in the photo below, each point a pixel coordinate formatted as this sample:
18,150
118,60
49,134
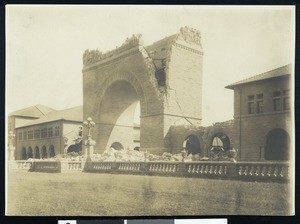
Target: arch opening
119,119
29,153
192,145
44,152
221,141
37,153
24,154
277,145
74,148
51,151
117,146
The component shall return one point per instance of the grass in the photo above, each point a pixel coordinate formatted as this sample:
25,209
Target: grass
88,194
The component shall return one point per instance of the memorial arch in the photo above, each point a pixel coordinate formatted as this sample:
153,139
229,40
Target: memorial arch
116,81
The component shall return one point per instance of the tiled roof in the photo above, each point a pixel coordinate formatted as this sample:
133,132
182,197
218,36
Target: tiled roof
36,111
71,114
282,71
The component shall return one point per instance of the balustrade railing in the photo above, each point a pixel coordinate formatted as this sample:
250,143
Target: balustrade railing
128,166
210,169
163,167
263,170
101,166
19,165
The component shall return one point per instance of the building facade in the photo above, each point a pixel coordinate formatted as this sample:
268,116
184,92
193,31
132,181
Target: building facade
262,127
26,115
59,132
262,114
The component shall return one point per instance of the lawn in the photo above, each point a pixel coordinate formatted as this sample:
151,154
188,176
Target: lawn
88,194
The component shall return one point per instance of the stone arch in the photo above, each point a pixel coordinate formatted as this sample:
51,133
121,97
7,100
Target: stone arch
29,152
277,145
51,151
117,146
74,148
44,152
128,77
24,154
192,144
137,148
111,111
37,154
221,140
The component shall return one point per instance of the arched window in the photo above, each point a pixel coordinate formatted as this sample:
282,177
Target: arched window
117,146
29,152
277,147
44,152
37,152
192,144
52,151
24,154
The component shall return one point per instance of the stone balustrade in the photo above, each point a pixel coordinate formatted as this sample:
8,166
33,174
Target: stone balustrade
208,168
163,167
269,171
100,166
19,165
129,166
71,166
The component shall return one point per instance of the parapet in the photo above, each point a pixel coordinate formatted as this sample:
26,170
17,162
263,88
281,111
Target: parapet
93,56
189,38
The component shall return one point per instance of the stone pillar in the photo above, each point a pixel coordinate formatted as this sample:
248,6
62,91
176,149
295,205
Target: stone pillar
48,152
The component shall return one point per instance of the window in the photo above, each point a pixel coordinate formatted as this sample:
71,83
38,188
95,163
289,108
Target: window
50,132
260,103
44,133
251,104
56,132
30,134
25,135
276,101
286,100
20,135
37,133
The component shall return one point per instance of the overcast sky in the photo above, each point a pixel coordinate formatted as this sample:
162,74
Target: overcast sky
45,45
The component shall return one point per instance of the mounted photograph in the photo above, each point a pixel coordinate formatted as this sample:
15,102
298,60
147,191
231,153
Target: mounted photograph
150,110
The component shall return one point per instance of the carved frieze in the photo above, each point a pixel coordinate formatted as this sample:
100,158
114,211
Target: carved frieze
190,35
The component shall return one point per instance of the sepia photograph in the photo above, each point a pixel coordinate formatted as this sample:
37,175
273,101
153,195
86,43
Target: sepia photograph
162,110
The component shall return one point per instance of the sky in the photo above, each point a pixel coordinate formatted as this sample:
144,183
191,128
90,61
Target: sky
45,44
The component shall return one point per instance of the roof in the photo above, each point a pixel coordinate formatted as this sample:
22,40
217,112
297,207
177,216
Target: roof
71,114
36,111
278,72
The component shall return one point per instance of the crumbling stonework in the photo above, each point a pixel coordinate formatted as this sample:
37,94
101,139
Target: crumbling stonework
161,76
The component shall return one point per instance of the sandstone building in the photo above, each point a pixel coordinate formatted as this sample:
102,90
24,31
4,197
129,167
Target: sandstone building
52,134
